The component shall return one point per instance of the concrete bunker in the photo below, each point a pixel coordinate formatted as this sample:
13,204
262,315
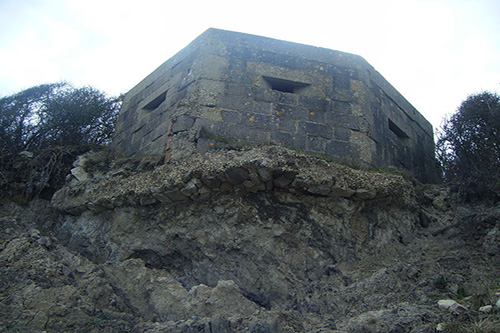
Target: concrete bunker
232,86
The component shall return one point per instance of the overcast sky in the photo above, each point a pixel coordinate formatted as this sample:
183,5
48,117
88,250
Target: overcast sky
435,52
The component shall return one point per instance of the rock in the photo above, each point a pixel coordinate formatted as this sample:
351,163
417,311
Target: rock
440,203
120,172
453,306
147,200
363,194
204,193
212,182
81,160
176,195
458,308
252,183
150,162
265,174
486,309
34,233
220,324
45,241
191,188
182,123
226,299
226,187
497,304
80,174
219,210
397,318
426,218
440,327
491,242
25,154
445,304
256,187
284,180
161,197
341,192
321,189
237,175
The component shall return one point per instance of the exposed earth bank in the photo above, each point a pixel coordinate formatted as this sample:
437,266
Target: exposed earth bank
260,240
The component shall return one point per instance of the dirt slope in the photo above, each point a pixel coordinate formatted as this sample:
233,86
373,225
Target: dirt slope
262,240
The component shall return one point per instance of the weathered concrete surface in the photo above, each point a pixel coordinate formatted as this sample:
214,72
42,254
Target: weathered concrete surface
232,87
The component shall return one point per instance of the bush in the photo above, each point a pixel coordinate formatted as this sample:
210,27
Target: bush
468,147
55,114
43,127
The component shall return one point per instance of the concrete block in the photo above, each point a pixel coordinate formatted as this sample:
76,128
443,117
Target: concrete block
316,129
342,149
265,94
182,123
244,133
212,67
203,145
262,107
243,103
341,134
287,98
289,139
317,116
209,91
233,117
209,114
176,96
134,145
283,60
314,103
238,77
143,130
239,90
315,144
339,107
289,111
237,64
258,120
343,121
287,125
160,130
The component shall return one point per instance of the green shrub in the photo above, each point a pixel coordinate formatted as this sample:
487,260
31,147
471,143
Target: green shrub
468,147
55,114
43,128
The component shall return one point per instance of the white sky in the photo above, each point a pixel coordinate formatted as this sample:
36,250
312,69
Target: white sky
434,52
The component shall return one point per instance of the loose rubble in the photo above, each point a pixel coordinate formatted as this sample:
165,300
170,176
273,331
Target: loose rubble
201,177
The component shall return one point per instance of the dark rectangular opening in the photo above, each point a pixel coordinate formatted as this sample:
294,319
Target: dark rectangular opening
156,102
397,130
283,85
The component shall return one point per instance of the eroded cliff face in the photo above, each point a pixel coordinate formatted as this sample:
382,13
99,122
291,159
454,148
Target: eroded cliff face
264,240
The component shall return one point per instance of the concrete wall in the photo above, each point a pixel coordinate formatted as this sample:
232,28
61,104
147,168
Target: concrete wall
228,85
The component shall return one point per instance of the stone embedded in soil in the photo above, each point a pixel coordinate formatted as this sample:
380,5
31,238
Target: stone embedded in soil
453,306
486,309
237,175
